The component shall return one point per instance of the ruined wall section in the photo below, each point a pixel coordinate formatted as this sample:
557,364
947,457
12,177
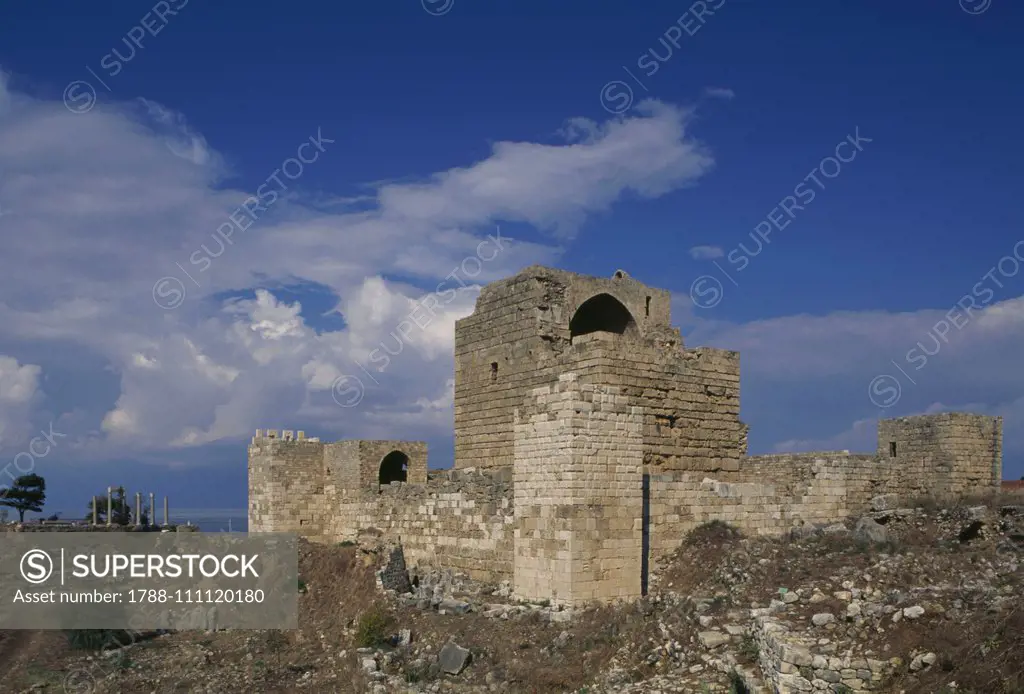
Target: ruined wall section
578,493
308,487
286,485
769,496
952,453
460,520
499,356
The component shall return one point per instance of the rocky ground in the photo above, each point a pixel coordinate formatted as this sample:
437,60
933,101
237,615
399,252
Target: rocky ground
920,600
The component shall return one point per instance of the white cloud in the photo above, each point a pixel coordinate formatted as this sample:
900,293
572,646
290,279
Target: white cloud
861,437
814,367
706,252
19,393
140,192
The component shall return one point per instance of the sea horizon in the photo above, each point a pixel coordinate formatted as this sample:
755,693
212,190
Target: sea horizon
206,519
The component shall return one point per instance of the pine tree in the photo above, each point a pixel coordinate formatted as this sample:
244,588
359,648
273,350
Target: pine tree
26,494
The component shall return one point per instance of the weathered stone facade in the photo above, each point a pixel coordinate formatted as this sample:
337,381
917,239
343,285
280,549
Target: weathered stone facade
527,330
578,495
588,441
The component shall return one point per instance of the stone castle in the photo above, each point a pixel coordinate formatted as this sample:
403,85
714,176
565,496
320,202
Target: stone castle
588,441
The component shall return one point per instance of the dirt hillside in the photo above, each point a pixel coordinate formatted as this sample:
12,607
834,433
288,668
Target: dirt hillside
919,600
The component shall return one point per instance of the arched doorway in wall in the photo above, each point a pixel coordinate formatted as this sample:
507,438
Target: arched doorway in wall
394,467
601,313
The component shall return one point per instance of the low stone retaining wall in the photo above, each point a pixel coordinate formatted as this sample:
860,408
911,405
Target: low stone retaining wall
792,663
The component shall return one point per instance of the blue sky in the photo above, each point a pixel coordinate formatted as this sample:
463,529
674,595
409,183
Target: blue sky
654,137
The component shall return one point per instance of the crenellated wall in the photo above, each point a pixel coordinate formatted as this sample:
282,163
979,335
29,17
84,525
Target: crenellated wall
286,485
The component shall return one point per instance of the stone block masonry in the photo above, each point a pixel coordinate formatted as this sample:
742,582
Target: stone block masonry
578,494
588,441
460,520
511,344
948,454
294,481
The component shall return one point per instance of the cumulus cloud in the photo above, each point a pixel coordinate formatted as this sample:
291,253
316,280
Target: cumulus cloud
142,199
19,393
141,193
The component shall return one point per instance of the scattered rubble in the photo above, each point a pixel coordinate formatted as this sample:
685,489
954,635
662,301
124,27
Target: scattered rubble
927,608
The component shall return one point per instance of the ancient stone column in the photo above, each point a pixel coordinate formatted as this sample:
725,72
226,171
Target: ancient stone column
152,510
138,508
166,521
110,505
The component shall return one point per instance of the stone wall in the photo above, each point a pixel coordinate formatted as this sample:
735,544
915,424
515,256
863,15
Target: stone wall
578,494
286,486
768,496
944,454
790,662
690,398
499,356
295,483
460,520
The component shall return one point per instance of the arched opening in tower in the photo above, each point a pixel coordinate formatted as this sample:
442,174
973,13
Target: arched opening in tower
394,467
601,313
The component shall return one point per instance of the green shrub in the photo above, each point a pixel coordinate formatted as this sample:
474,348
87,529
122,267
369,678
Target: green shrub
98,639
372,629
749,649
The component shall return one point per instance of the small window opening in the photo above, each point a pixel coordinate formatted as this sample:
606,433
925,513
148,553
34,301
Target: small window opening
892,449
494,371
647,307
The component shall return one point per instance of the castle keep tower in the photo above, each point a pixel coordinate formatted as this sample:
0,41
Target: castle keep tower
530,328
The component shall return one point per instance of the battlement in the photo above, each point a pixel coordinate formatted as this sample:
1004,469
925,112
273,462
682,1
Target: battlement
263,436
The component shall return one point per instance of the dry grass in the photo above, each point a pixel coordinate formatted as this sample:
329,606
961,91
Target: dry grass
985,656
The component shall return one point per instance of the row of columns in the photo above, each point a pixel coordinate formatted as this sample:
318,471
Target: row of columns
138,508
